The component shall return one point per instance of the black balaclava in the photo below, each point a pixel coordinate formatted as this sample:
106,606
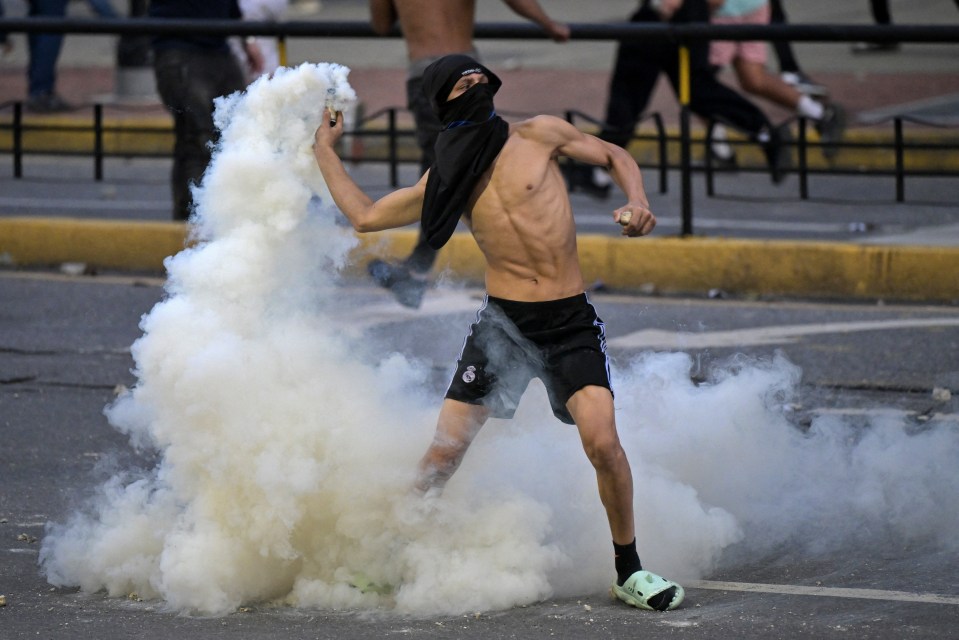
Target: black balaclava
472,138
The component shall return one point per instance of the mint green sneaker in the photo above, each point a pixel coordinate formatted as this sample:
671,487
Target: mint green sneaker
645,590
364,584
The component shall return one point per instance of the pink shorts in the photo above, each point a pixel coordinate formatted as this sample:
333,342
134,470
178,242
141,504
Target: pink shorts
722,53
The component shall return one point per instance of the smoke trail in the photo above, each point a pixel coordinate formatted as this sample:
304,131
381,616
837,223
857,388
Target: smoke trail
285,447
284,457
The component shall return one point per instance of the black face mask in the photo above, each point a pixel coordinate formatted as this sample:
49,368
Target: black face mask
473,106
465,150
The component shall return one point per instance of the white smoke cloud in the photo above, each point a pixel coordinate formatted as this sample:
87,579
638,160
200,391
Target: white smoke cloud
285,450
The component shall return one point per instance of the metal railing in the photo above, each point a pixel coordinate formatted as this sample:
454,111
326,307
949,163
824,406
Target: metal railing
681,34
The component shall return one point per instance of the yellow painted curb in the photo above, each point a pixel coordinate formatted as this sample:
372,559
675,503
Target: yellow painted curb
103,243
670,265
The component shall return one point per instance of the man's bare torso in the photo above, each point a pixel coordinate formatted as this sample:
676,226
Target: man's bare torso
523,223
434,28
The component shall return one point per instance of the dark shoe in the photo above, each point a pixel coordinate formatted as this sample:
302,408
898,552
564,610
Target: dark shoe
579,177
48,103
778,150
831,129
875,47
408,287
409,293
803,84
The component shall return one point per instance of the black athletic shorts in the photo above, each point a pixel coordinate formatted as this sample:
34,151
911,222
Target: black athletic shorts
562,342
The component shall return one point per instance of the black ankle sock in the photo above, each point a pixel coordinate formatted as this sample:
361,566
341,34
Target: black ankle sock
627,561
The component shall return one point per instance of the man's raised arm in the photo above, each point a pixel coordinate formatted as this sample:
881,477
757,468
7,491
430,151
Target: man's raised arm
532,11
396,209
569,141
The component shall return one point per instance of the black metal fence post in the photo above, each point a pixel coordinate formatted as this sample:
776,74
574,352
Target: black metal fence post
18,140
900,162
393,155
803,159
685,155
98,142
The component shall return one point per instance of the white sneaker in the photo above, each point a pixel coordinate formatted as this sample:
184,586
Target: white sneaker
801,82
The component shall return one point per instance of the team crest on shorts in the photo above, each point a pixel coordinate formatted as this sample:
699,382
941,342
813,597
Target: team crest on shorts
470,374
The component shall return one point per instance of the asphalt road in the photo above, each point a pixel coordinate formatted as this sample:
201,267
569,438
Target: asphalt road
883,570
861,545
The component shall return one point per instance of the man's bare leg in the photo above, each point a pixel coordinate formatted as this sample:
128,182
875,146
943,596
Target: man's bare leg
592,409
456,427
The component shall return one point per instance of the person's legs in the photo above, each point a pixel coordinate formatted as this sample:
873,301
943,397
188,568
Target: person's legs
881,16
456,428
789,70
711,99
592,410
635,71
783,48
748,59
44,52
756,80
829,119
188,82
880,11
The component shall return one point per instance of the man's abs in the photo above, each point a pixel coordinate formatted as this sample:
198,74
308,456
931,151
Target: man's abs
531,264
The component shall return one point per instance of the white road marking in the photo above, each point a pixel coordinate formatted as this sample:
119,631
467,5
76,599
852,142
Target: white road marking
826,592
785,334
872,413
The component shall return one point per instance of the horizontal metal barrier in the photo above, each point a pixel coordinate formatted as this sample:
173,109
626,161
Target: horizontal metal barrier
624,31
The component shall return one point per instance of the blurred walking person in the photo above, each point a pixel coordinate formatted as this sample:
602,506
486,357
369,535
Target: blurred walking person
191,71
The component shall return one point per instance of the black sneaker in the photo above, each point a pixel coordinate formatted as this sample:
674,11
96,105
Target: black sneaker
831,129
778,150
48,103
407,286
409,293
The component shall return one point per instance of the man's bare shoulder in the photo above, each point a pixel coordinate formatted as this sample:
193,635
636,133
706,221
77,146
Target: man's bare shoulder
545,129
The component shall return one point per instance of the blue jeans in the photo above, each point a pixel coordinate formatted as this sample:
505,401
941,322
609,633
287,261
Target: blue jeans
44,48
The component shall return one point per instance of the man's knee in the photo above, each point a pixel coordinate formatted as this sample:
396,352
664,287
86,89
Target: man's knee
604,451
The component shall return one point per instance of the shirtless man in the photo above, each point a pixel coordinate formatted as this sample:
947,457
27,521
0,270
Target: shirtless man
433,29
504,181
